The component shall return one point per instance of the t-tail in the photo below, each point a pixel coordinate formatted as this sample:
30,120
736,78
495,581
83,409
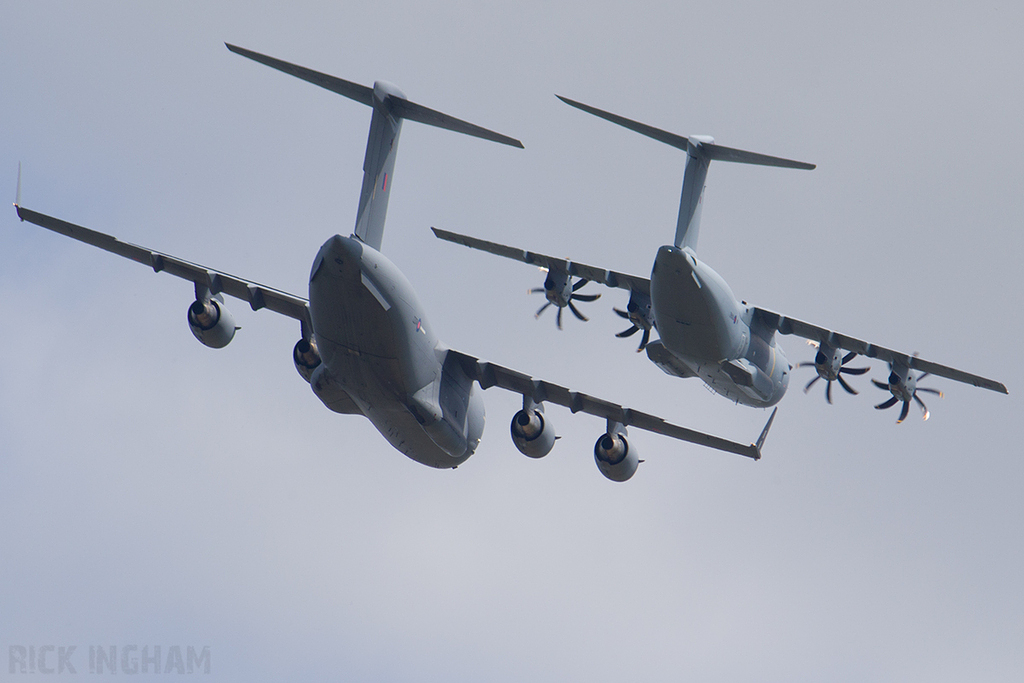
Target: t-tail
390,107
700,150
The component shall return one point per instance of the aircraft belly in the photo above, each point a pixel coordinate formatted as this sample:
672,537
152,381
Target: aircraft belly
372,384
715,376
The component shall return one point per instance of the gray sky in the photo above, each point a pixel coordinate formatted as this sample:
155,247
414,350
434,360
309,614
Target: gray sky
153,491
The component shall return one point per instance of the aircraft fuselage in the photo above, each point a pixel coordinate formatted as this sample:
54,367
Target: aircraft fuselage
706,332
381,358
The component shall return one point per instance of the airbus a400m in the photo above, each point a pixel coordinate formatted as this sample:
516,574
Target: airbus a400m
705,330
366,346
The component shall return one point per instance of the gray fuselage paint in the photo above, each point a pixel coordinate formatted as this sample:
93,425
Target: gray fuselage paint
709,332
381,356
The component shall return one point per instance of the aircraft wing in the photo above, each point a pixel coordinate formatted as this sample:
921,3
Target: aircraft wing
258,296
610,278
784,325
493,375
766,320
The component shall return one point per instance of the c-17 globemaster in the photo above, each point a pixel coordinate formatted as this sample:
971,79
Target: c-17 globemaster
366,347
705,330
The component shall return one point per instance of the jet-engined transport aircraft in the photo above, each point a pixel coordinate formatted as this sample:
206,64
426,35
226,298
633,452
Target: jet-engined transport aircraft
366,346
705,331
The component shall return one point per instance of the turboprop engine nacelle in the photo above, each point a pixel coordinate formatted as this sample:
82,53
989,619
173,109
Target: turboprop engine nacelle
827,362
210,322
614,456
902,382
531,433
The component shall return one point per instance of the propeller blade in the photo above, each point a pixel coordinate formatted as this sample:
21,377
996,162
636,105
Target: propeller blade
584,297
536,290
849,389
888,404
628,333
880,385
923,375
576,286
924,408
621,313
848,357
558,318
931,391
903,413
811,384
828,392
576,312
541,310
854,371
805,364
643,342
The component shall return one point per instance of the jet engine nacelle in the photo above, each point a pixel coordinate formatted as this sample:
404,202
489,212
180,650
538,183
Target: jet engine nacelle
211,322
615,457
532,434
306,358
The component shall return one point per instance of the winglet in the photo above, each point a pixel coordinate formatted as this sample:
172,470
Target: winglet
17,194
764,435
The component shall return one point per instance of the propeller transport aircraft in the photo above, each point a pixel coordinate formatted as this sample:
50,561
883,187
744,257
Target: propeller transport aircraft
366,346
705,331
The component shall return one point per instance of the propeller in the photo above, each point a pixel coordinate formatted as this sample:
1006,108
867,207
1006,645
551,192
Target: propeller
831,370
633,330
907,391
638,312
560,294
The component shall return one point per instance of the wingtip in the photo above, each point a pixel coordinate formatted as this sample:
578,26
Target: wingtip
764,434
571,103
17,194
239,50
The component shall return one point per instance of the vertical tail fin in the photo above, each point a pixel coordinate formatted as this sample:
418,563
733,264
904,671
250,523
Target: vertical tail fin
378,167
390,107
700,151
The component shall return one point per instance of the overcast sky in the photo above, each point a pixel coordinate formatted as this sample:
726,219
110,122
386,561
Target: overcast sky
156,492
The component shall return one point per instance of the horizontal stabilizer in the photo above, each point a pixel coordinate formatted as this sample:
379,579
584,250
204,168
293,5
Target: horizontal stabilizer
710,149
700,151
359,93
397,106
417,112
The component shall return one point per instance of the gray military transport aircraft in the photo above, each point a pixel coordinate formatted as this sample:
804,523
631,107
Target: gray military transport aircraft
705,330
366,346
